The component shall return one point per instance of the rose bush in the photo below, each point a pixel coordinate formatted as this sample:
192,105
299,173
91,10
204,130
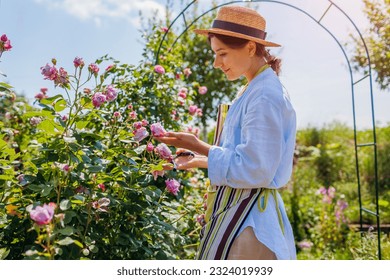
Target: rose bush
82,176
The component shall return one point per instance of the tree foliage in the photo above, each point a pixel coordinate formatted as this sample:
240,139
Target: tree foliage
377,40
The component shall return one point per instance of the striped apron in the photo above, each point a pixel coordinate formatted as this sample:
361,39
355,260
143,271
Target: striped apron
227,209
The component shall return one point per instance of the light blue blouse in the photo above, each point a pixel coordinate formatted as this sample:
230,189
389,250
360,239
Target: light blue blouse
256,151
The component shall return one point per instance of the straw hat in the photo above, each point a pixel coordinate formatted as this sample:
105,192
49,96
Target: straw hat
240,22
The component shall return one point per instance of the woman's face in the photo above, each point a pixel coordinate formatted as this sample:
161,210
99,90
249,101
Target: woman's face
233,62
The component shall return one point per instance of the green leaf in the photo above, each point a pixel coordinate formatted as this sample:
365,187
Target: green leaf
79,198
35,188
93,248
66,231
6,177
140,149
65,241
68,216
42,189
78,243
4,253
94,168
86,103
60,105
48,127
47,190
85,159
43,113
81,124
5,85
383,203
51,100
65,204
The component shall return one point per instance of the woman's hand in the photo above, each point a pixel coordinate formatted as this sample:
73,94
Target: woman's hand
186,141
185,159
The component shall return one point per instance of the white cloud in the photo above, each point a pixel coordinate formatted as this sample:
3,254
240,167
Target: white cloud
97,10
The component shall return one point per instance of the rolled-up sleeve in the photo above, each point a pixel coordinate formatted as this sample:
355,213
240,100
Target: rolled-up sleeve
252,163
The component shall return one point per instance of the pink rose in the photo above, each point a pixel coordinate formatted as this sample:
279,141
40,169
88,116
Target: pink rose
43,215
144,122
40,96
159,69
172,186
5,43
66,167
49,72
183,93
98,99
137,125
78,62
193,109
202,90
110,67
187,72
93,68
157,130
111,93
117,115
164,152
164,29
102,187
150,147
62,77
140,134
133,115
157,173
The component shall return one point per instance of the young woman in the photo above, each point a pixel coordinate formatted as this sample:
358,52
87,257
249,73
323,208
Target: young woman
245,217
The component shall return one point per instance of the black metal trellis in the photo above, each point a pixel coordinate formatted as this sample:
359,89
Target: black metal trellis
357,145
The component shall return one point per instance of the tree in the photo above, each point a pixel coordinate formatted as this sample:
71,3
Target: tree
377,40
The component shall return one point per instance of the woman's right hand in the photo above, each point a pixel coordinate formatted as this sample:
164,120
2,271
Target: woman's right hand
185,159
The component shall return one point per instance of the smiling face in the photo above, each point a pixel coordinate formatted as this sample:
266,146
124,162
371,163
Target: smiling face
234,62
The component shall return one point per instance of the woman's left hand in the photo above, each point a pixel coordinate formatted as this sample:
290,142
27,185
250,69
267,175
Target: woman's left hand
186,141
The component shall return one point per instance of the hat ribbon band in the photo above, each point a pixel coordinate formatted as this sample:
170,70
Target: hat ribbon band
238,28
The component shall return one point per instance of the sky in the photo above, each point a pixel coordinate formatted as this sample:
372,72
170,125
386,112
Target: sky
315,70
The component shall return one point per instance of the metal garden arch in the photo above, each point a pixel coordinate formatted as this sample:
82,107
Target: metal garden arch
357,145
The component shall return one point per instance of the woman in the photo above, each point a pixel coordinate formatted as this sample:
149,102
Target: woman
245,217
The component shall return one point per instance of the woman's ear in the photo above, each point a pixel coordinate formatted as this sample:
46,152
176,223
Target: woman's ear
251,48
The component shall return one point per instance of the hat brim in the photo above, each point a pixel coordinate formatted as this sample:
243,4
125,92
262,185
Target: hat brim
206,32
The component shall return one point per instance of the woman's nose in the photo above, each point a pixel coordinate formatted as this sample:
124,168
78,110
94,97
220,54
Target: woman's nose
216,63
